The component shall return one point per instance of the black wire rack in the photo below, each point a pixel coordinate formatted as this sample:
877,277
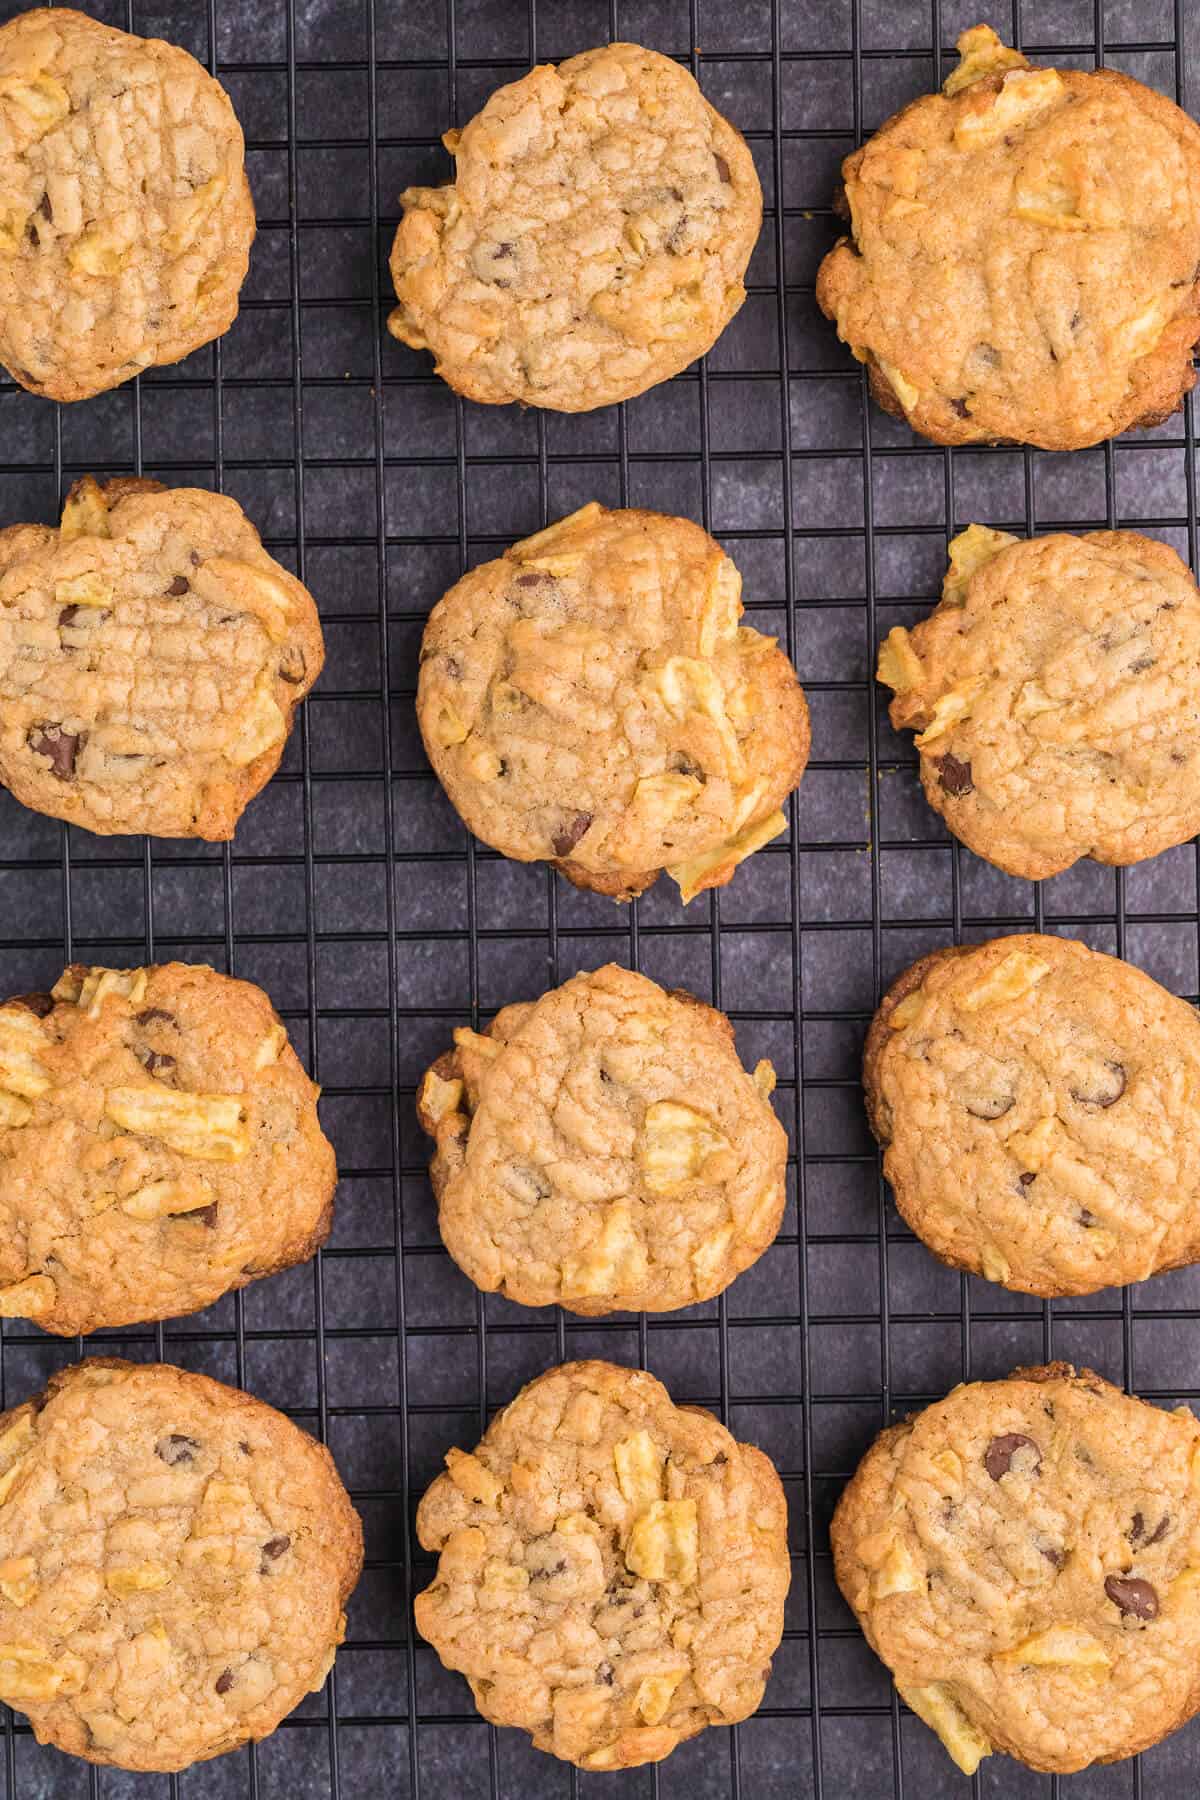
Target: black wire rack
354,897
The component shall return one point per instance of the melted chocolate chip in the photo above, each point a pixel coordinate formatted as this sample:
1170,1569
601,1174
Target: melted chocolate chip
990,1106
1133,1598
203,1215
176,1449
1054,1555
1087,1218
534,580
155,1015
954,777
155,1062
720,1459
180,585
1027,1178
274,1547
1102,1089
723,169
604,1675
567,836
45,208
998,1457
1139,1535
503,250
82,615
244,1447
40,1005
224,1681
961,408
62,747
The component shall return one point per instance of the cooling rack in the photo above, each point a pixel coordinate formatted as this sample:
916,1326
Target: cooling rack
353,895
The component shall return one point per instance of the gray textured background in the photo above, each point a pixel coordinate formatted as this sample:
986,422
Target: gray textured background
369,478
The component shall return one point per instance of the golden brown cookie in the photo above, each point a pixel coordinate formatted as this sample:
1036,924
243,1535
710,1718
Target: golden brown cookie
159,1146
1039,1107
612,1568
1056,695
1025,1558
152,656
602,1148
125,215
1023,254
590,699
175,1559
593,241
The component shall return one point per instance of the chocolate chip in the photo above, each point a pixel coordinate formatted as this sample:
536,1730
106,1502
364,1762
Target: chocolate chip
1076,321
224,1681
567,836
273,1549
155,1062
203,1215
604,1675
998,1457
62,747
1053,1555
155,1015
196,558
720,1459
1133,1598
1027,1178
990,1106
40,1005
244,1447
534,580
1087,1218
558,1568
1102,1089
682,764
723,169
954,777
293,667
961,408
503,250
45,208
180,585
176,1449
1139,1535
1160,1530
82,615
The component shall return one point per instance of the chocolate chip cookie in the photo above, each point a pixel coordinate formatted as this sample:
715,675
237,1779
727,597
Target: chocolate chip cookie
602,1148
1056,695
594,239
1023,254
152,656
125,215
1039,1107
612,1568
1025,1558
589,698
159,1146
175,1559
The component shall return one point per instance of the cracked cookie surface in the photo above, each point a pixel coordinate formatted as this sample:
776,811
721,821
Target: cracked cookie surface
594,239
1024,254
602,1148
175,1558
1055,691
125,215
152,656
612,1568
1039,1107
589,698
159,1146
1025,1558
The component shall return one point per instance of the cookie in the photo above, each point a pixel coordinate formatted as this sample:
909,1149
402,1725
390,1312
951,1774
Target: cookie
589,699
1056,694
1039,1107
1023,254
612,1568
152,656
175,1559
159,1146
592,243
1025,1558
125,215
603,1149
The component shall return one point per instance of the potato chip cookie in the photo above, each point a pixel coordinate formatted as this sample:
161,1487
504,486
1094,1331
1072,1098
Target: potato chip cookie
594,239
125,215
603,1148
1023,254
152,656
159,1146
1039,1107
1056,696
1025,1558
589,698
175,1560
612,1568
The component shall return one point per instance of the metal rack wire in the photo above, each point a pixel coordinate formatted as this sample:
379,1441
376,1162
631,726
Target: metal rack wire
353,896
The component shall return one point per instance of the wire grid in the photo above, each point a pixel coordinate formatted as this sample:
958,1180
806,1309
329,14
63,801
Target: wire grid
355,898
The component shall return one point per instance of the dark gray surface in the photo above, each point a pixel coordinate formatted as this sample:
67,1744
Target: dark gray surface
366,475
